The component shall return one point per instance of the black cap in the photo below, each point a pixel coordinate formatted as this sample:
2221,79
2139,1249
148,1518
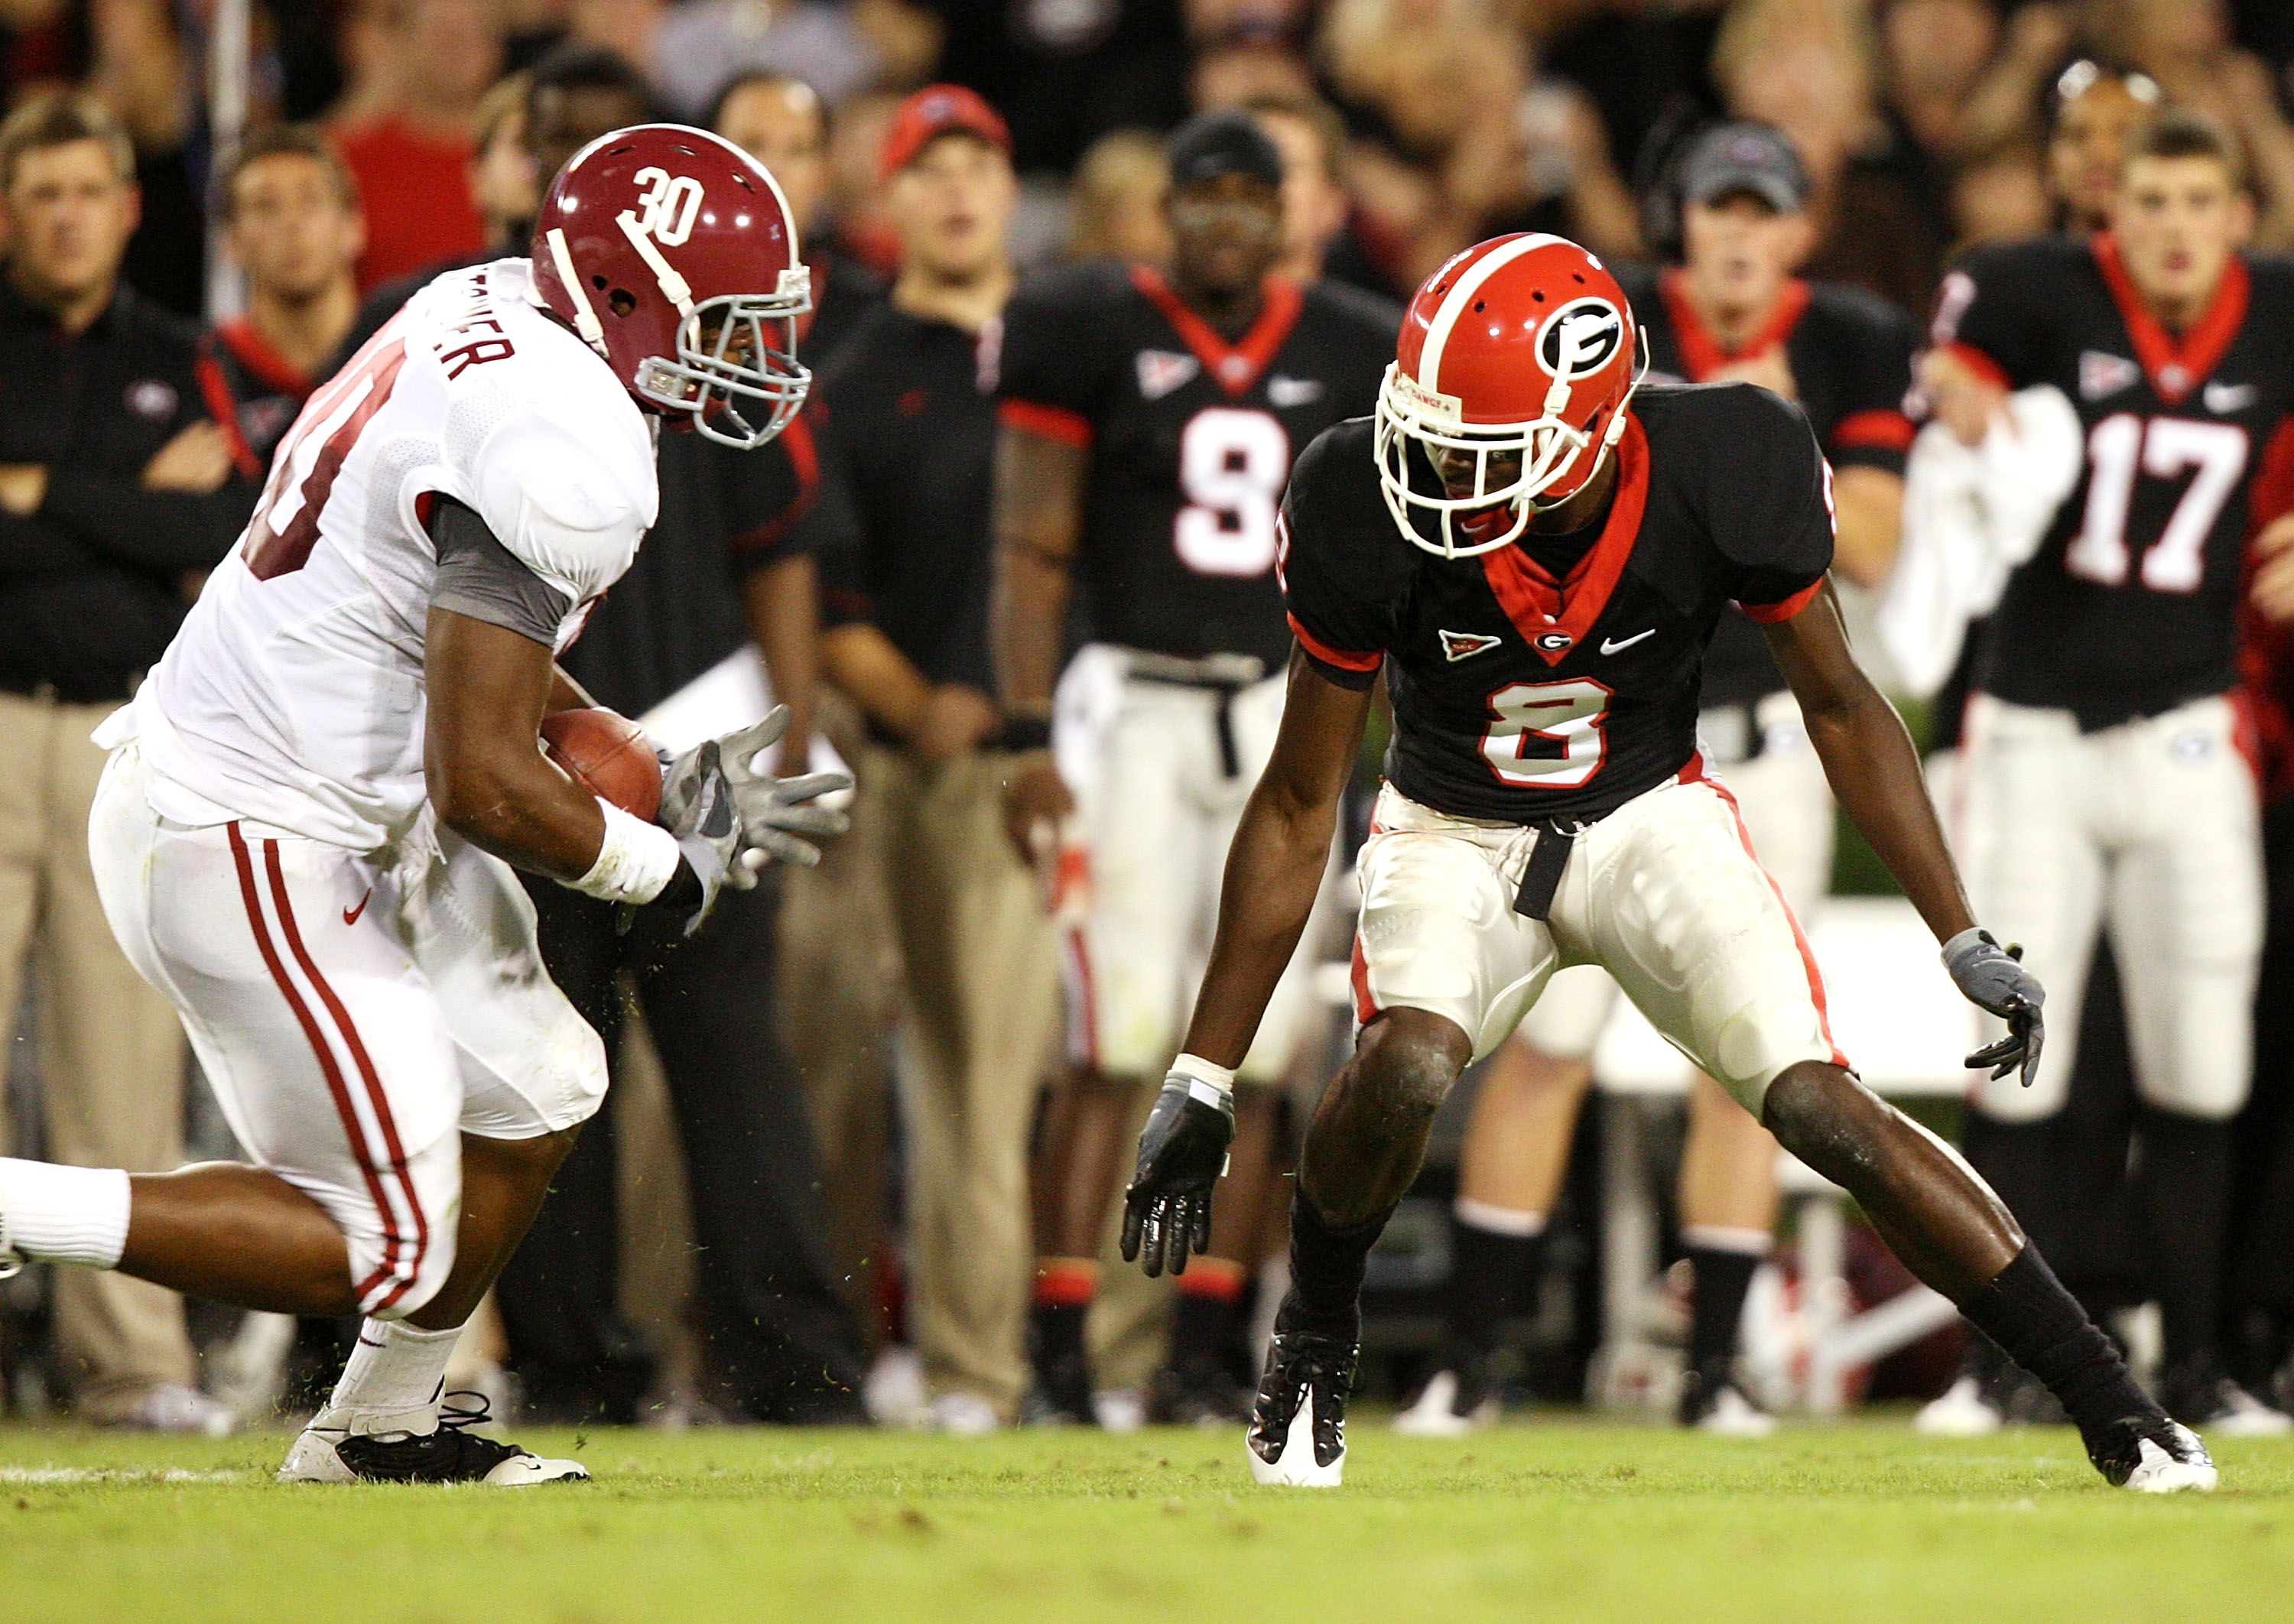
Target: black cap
1225,143
1749,157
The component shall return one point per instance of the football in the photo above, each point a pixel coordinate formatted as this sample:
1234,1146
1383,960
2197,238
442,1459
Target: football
607,754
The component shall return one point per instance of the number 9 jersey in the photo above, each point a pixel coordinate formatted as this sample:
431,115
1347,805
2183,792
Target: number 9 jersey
1190,439
1520,698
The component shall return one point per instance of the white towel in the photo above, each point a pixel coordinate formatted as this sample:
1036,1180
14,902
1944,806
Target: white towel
1972,517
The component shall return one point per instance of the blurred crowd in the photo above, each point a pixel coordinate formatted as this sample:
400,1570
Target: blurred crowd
415,133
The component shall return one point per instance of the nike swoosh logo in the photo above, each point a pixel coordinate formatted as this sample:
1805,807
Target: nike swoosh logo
2226,398
351,916
1610,645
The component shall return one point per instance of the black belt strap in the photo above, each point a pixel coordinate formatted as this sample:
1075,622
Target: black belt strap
1540,876
1229,764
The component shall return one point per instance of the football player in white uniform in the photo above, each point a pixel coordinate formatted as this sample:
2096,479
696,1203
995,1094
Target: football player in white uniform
306,830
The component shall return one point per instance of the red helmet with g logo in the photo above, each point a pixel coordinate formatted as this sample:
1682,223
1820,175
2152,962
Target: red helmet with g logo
1520,348
671,253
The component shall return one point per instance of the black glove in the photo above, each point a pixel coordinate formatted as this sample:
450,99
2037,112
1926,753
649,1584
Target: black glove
1181,1153
1994,978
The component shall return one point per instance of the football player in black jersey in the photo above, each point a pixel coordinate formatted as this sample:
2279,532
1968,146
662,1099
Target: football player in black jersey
291,222
1536,556
2104,785
1149,426
1732,310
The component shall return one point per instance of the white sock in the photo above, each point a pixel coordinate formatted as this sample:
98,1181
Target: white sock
393,1380
1718,1238
1498,1220
58,1215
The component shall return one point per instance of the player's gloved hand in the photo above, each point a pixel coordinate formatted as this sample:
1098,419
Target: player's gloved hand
697,807
1167,1212
773,812
1993,978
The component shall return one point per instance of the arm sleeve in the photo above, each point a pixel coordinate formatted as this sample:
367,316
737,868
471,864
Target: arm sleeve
1330,589
768,493
1985,314
160,530
832,531
1873,431
1050,369
477,577
1769,505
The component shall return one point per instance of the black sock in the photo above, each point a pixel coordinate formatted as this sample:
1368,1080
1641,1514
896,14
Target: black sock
1492,1273
1720,1277
2181,1184
1326,1267
1058,1330
1204,1331
2040,1326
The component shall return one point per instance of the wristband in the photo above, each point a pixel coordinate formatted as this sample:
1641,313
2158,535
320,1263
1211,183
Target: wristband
1024,733
1212,1085
636,862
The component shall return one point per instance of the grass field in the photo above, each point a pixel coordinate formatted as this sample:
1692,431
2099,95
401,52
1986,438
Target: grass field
1562,1520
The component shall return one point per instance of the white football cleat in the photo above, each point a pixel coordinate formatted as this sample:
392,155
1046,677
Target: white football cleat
1296,1466
1732,1415
337,1449
2153,1455
1962,1412
1436,1413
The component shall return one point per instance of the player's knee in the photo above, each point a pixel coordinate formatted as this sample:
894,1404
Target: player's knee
1824,1116
1412,1061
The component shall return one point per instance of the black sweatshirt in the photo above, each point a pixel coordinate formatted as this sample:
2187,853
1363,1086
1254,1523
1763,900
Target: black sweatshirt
93,585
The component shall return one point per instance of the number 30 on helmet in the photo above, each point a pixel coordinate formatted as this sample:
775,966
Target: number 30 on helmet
1516,367
673,254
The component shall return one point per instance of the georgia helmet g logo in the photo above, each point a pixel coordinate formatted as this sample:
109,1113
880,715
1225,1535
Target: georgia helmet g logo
667,207
1596,327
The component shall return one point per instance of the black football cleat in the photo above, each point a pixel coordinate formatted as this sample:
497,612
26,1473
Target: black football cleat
1298,1426
451,1454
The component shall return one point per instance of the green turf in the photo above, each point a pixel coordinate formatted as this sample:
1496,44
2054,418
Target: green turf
1557,1520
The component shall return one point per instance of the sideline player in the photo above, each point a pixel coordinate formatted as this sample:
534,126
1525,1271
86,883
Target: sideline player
1731,310
1148,427
2104,785
1547,805
305,834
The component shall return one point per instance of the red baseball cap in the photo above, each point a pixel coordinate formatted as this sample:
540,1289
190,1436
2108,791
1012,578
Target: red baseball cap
932,113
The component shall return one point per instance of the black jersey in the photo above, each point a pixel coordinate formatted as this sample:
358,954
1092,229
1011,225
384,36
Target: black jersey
1519,698
1851,355
251,390
2130,605
1192,439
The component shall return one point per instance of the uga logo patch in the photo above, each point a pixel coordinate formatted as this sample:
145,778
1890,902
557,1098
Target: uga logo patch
1579,337
1160,372
2100,374
1458,645
1554,642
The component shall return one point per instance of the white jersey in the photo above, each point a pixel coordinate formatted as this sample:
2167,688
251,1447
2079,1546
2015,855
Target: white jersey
294,694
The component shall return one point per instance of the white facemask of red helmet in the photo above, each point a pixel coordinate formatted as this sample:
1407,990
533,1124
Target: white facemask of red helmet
1512,378
672,252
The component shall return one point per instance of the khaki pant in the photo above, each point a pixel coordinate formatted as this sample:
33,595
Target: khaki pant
979,1017
111,1055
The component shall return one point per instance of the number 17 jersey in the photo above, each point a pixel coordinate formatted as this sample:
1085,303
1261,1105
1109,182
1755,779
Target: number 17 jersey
2130,605
1191,438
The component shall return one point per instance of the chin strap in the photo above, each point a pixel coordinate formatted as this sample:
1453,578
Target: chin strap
585,316
674,288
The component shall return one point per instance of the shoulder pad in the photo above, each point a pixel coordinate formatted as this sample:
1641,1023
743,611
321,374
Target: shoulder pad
571,504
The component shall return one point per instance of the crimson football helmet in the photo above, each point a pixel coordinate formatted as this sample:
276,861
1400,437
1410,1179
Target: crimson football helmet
1520,348
673,254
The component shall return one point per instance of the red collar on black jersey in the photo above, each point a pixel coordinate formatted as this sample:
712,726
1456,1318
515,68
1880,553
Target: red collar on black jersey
1701,353
2176,369
1537,605
1232,367
254,351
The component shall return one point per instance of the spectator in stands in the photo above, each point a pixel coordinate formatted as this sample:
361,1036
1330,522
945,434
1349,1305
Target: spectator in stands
1118,200
839,49
2185,45
856,144
1320,235
115,490
781,123
1808,67
411,148
139,69
903,529
293,226
1933,54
